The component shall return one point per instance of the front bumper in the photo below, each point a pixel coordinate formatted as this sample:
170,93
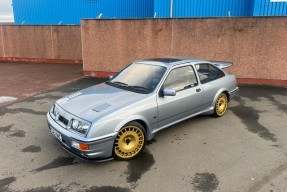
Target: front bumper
100,150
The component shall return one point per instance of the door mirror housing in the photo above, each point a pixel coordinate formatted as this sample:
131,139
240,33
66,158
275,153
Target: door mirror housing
169,92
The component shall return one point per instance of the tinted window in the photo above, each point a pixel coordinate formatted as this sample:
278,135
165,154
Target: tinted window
208,72
181,78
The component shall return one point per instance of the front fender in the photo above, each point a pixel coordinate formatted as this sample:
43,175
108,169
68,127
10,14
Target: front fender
134,118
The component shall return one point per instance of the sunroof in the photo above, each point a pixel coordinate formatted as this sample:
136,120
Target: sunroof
164,60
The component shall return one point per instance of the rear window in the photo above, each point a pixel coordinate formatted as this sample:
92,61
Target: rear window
208,72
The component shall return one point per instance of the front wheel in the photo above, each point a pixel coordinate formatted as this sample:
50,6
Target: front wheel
129,142
220,105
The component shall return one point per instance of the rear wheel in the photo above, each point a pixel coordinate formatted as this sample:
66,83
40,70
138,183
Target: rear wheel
129,142
221,105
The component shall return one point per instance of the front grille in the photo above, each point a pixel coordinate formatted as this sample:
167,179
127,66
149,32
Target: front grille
63,120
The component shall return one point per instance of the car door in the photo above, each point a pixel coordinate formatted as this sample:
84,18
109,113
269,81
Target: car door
188,99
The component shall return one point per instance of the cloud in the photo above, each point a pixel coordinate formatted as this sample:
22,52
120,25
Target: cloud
6,11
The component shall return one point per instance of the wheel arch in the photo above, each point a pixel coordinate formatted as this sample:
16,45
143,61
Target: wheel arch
143,123
217,95
137,118
227,94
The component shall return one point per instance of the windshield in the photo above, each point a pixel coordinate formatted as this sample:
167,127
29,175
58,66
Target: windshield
139,77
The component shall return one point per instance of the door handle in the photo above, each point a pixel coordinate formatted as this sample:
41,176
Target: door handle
198,90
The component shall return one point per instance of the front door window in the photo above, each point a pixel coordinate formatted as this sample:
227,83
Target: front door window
181,78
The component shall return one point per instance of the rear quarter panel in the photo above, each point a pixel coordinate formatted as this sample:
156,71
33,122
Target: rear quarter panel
214,88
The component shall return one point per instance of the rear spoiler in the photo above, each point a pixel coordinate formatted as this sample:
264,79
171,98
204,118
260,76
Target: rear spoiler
221,64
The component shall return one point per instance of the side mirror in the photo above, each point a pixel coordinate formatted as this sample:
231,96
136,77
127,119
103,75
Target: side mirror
169,92
110,77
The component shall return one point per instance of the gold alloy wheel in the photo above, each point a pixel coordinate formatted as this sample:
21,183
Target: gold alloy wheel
221,104
129,142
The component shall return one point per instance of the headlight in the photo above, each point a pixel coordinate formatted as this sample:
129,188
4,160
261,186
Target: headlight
75,124
79,126
83,128
54,110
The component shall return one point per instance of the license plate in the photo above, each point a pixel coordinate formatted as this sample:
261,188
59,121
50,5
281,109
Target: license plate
56,134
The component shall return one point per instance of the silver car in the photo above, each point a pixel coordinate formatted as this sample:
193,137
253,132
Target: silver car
115,119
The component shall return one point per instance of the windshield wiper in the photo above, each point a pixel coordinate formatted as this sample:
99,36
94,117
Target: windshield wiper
140,88
129,86
119,83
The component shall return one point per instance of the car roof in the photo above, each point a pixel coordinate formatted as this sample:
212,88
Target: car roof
170,61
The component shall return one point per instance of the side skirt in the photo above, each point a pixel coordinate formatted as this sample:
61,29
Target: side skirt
205,112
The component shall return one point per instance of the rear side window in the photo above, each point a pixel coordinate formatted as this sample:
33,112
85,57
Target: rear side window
181,78
208,73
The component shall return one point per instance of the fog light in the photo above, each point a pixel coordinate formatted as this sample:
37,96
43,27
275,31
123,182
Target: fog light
84,147
75,145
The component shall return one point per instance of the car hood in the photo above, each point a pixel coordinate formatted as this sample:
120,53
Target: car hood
93,102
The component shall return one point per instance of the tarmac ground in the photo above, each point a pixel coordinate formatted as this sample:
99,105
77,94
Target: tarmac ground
243,151
21,80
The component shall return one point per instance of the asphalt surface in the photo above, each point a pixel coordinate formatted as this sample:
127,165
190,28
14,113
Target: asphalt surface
22,80
244,151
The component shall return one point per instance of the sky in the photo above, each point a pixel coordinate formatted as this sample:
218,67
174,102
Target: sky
6,11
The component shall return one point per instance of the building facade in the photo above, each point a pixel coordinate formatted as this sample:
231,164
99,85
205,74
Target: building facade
57,12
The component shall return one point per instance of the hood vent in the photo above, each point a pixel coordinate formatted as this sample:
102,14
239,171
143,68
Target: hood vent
101,107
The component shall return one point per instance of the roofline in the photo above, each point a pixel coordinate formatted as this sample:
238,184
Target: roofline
182,60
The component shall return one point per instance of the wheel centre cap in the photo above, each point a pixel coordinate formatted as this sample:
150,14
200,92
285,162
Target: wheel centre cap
128,140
